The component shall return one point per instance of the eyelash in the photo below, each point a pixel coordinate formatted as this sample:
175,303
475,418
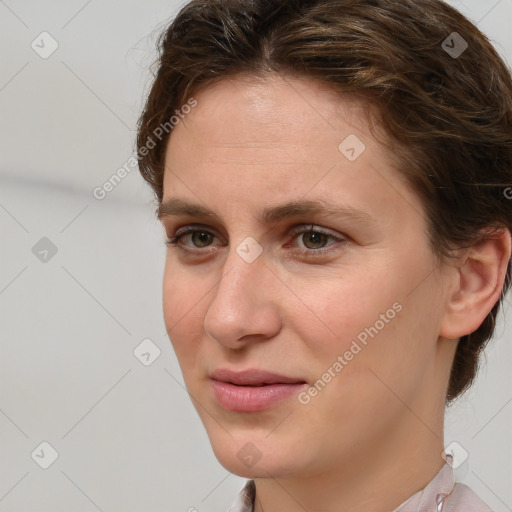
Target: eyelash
175,239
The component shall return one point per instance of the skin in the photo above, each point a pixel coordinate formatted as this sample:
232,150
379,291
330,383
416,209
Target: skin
374,435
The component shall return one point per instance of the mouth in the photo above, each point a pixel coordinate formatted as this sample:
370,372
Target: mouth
254,385
253,378
252,390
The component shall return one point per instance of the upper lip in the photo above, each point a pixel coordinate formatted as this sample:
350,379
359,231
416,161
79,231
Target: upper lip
252,377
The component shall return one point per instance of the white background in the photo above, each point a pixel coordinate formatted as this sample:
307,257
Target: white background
127,435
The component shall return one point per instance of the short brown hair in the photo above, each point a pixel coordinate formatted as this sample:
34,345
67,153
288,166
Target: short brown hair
448,117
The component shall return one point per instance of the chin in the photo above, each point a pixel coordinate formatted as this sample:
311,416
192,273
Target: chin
256,459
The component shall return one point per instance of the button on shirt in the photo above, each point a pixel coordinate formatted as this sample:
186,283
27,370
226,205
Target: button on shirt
442,494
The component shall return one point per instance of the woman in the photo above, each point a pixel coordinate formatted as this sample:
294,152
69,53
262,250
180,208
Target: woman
332,177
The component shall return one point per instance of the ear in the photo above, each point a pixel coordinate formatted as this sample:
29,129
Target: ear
478,282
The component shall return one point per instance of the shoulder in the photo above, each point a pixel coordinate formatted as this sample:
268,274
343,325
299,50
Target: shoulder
463,499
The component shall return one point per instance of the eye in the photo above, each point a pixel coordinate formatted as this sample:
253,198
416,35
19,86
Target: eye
200,237
314,241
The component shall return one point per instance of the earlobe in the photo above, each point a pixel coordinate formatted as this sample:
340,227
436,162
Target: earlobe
479,280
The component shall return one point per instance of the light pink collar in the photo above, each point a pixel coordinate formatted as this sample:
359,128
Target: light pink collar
432,497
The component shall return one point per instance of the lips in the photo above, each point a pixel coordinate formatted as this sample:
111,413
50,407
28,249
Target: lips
253,390
253,377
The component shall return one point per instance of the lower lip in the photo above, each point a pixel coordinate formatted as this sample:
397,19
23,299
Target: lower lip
251,398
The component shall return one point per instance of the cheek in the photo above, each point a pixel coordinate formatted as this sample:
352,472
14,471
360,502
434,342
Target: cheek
344,310
182,309
374,324
386,337
183,292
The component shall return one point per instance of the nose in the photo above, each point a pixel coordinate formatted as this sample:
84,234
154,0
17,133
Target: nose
245,302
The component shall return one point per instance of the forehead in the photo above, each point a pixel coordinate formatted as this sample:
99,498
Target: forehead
275,108
280,138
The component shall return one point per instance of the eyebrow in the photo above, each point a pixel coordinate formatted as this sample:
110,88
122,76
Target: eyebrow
270,215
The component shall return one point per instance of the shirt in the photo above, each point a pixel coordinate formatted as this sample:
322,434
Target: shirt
442,494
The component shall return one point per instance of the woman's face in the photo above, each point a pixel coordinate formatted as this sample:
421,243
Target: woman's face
342,297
